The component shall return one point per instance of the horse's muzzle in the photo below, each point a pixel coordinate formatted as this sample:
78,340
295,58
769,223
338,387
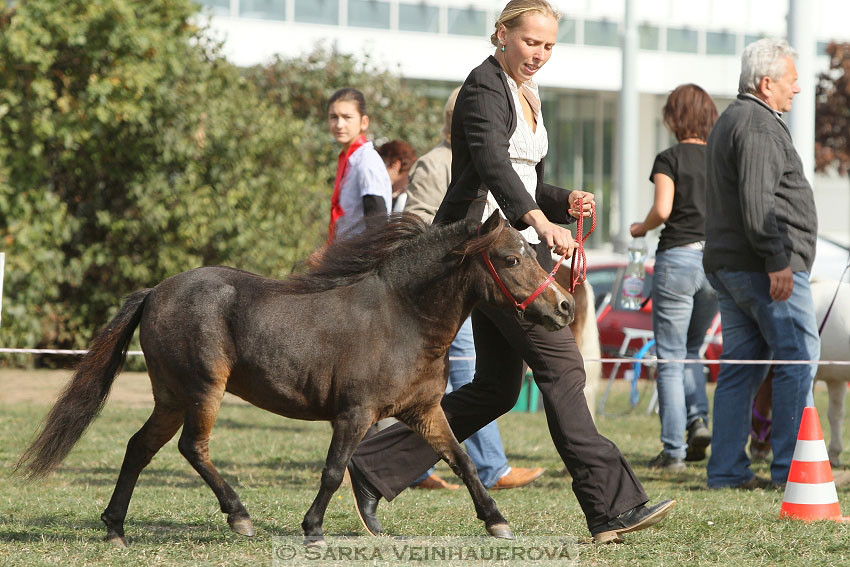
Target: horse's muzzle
563,313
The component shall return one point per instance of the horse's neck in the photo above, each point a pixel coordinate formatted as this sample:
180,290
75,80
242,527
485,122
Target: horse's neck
445,303
436,292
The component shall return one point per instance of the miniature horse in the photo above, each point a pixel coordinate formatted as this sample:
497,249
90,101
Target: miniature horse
832,311
363,336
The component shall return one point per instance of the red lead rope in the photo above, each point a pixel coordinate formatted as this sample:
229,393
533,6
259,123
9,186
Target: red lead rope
578,276
575,279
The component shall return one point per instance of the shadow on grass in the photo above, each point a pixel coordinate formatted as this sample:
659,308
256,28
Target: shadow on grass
286,472
285,425
47,529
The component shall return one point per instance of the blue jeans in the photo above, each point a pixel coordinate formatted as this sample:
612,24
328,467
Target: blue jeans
756,327
683,306
485,446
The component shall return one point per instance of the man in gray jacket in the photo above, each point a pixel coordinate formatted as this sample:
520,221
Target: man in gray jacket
761,227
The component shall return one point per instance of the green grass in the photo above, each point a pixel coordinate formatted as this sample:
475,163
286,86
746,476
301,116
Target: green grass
274,464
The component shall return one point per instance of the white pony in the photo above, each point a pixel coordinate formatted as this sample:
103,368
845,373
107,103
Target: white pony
835,345
586,333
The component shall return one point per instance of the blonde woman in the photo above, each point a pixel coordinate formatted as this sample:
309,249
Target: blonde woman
429,180
498,145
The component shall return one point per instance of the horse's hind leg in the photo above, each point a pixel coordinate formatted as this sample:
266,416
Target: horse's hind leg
159,428
434,428
835,414
194,446
348,431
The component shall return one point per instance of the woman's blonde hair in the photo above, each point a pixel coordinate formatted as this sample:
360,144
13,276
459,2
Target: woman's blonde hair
515,8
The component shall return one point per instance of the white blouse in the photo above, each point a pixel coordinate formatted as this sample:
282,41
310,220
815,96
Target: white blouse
526,148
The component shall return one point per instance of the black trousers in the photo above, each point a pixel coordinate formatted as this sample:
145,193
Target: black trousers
603,482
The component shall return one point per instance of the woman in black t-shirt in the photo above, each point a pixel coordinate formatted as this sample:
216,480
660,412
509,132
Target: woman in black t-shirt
684,303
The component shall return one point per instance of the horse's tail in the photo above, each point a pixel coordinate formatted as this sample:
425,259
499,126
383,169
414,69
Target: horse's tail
86,393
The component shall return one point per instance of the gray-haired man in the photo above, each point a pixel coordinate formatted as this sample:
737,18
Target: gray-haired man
761,226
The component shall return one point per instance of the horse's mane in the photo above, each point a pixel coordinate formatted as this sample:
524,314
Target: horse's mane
350,260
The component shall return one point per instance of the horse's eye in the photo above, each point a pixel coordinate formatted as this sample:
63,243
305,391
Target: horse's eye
511,261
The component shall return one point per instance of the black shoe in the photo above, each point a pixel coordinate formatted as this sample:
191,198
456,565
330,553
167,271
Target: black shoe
699,438
755,483
665,462
638,518
366,498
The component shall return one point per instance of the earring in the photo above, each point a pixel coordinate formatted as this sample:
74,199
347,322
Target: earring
503,49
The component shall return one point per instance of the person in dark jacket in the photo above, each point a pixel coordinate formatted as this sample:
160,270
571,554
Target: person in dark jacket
761,227
498,144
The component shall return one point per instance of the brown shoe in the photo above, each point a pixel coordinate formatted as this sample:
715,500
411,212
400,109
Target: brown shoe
517,477
433,482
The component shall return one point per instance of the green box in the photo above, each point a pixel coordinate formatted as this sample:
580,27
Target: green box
528,395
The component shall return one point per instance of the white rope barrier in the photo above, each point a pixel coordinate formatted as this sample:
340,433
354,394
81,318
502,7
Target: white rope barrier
55,351
692,361
604,360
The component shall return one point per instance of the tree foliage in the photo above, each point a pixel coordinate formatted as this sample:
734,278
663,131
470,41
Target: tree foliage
131,150
832,129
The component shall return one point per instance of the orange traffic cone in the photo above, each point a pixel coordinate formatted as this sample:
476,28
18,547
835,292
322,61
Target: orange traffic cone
810,493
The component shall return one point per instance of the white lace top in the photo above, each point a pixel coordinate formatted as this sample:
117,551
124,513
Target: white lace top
526,147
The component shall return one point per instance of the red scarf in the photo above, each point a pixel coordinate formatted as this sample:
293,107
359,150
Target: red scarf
341,166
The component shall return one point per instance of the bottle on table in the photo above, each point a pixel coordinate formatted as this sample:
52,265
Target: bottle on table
635,275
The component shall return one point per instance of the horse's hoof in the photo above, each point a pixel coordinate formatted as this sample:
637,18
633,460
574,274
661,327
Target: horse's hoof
314,541
502,531
116,540
242,525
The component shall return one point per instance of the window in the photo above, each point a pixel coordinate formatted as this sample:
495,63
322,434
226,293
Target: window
720,43
602,33
567,29
418,17
581,146
217,7
682,40
649,37
316,11
467,21
263,9
748,39
369,14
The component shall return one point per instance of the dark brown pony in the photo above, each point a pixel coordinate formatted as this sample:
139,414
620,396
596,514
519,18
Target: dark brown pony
361,337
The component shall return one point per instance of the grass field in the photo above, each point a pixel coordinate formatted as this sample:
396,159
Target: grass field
274,464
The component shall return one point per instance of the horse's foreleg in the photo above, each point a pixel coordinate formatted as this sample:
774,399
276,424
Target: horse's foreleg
347,433
156,432
194,446
434,428
835,415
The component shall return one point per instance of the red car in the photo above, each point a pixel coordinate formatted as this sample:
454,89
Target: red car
605,274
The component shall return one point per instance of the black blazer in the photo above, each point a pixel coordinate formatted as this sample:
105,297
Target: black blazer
483,122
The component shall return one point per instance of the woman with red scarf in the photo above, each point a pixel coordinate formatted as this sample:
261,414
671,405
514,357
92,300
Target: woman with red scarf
362,188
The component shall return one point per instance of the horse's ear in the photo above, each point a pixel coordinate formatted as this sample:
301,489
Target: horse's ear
491,223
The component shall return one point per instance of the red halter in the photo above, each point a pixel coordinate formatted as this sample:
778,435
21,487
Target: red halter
520,307
575,278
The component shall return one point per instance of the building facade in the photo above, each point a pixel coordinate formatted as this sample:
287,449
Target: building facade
440,41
